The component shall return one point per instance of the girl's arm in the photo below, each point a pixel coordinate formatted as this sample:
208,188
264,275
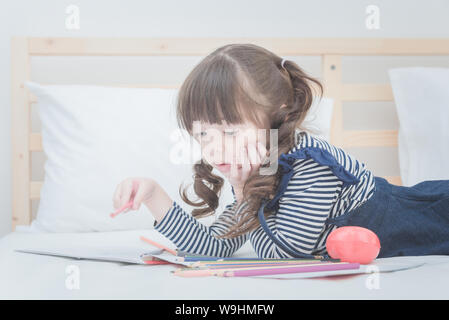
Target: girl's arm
187,233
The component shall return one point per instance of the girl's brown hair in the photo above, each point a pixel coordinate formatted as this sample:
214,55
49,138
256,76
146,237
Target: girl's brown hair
240,82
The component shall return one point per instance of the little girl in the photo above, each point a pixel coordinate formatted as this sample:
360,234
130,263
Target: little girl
316,188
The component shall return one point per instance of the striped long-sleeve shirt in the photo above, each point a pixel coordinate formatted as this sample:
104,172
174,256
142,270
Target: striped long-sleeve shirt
313,194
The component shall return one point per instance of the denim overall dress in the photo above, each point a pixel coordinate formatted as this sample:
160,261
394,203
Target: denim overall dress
409,221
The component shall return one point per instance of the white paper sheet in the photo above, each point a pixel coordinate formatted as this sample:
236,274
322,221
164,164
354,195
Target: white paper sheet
115,254
171,258
374,267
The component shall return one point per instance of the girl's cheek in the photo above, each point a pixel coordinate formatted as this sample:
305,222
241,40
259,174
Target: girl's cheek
207,153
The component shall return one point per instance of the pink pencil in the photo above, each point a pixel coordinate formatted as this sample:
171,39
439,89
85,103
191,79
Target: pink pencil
185,272
119,210
128,205
315,268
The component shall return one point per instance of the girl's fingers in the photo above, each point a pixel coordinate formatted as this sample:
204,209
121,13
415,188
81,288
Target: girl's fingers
127,190
138,198
117,196
246,166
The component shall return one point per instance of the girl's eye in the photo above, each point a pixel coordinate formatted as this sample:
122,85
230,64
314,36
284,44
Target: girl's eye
203,133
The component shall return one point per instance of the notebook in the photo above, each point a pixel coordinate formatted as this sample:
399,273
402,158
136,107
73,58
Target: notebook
134,255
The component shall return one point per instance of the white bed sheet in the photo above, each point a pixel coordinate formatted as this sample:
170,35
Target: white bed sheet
30,276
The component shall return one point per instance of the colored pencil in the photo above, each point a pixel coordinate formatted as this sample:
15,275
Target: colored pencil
196,258
154,262
160,246
257,264
273,271
245,267
126,206
224,268
248,261
185,272
130,202
181,253
197,273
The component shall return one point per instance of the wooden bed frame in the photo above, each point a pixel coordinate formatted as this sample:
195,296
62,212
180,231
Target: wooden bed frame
331,51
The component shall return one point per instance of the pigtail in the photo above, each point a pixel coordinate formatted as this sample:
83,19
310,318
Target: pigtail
301,85
206,186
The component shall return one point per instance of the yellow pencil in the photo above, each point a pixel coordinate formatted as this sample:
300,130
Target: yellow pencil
198,273
239,265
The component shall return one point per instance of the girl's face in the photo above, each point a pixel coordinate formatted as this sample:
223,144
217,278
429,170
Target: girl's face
222,144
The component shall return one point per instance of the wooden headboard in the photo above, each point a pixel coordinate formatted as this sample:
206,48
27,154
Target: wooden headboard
331,51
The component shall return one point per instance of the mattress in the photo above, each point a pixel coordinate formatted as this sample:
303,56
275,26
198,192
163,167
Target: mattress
31,276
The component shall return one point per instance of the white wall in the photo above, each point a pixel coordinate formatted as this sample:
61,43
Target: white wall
212,18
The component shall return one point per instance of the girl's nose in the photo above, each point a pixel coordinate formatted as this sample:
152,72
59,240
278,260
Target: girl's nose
219,155
216,156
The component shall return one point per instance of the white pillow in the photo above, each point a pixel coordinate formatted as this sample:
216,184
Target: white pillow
319,118
93,138
422,102
96,136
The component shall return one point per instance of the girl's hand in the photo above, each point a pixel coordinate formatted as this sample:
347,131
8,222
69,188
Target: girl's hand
251,157
140,190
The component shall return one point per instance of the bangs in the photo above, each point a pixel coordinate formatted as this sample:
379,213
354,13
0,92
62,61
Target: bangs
213,93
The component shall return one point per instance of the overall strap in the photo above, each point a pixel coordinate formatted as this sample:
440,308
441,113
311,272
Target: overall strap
291,252
321,156
286,162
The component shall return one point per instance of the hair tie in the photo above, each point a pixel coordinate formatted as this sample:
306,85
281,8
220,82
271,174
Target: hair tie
282,64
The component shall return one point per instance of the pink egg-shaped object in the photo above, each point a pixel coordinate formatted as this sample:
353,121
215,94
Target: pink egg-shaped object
353,244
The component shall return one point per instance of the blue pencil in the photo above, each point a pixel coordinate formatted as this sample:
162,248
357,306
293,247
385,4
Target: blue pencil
206,258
